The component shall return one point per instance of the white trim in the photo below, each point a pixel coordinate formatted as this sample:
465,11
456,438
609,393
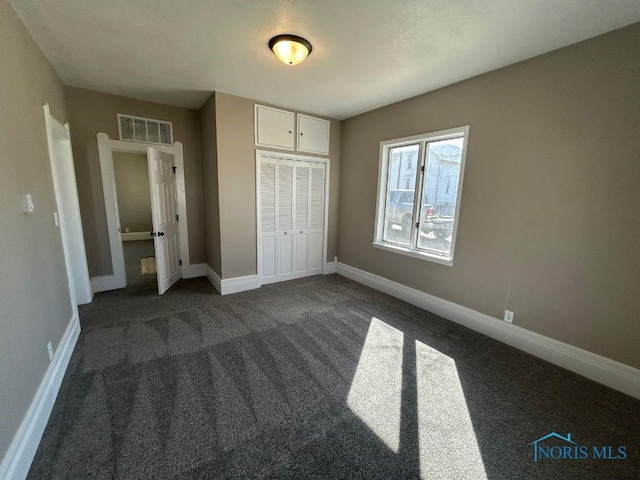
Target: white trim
608,372
330,267
413,253
79,284
327,176
106,147
135,236
194,270
213,278
232,285
22,450
239,284
383,171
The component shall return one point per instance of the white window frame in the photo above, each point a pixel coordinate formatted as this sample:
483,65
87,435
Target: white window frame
146,124
383,171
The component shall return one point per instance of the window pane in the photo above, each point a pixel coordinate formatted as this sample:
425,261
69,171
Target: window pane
401,185
439,195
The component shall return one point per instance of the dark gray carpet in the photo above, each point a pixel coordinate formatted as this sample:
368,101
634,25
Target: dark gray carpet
315,378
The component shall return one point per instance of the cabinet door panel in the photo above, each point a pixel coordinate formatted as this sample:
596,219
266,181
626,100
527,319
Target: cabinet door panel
300,254
285,257
315,252
269,259
274,128
313,135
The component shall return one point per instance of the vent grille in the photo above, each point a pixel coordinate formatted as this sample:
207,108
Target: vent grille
146,130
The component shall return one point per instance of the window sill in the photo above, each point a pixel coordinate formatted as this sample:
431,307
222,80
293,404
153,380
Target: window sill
412,253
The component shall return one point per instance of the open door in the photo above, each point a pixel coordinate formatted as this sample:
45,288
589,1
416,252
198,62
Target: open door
68,206
164,209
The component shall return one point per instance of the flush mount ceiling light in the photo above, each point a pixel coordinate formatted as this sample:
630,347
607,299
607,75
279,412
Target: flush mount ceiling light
290,49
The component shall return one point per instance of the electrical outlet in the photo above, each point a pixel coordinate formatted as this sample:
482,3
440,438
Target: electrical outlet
50,350
508,316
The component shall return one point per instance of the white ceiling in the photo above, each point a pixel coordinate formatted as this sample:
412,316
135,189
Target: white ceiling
366,53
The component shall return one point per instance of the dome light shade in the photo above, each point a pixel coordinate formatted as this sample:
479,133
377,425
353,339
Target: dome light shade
290,49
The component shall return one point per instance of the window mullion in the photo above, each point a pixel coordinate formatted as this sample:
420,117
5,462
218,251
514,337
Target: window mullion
417,198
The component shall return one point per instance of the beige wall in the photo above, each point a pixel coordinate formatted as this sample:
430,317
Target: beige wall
92,112
131,172
210,175
237,184
549,216
35,306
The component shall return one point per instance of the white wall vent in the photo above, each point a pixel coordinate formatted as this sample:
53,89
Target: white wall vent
146,130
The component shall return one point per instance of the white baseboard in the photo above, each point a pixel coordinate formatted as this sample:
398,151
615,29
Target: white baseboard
18,458
194,271
105,283
239,284
135,236
613,374
330,267
214,278
232,285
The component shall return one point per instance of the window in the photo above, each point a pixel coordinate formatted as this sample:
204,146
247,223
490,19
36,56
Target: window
417,212
147,130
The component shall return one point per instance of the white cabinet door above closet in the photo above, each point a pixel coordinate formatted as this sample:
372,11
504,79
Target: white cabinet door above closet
274,128
313,135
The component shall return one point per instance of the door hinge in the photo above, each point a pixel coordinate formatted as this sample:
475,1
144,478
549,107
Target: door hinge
180,262
173,169
422,168
177,218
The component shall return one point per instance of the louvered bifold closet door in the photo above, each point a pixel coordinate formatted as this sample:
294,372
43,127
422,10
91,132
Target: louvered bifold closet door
301,220
267,219
316,218
285,219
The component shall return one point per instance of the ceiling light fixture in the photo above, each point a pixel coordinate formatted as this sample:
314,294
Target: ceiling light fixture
290,49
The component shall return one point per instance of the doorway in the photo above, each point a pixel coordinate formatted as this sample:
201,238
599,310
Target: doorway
166,190
133,198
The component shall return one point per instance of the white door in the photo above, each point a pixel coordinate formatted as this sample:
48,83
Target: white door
164,208
284,214
301,221
70,222
313,134
274,128
316,219
267,219
290,218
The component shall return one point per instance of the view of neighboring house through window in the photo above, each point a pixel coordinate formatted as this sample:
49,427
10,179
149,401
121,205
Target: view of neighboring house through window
419,194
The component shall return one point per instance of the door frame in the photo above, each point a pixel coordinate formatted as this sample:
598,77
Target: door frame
80,289
106,147
304,158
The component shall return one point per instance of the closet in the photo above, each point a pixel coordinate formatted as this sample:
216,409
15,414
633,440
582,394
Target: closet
291,216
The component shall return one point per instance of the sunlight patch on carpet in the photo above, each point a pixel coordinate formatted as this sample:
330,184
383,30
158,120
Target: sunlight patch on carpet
447,440
375,393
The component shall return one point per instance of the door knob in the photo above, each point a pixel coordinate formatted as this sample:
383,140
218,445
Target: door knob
161,234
